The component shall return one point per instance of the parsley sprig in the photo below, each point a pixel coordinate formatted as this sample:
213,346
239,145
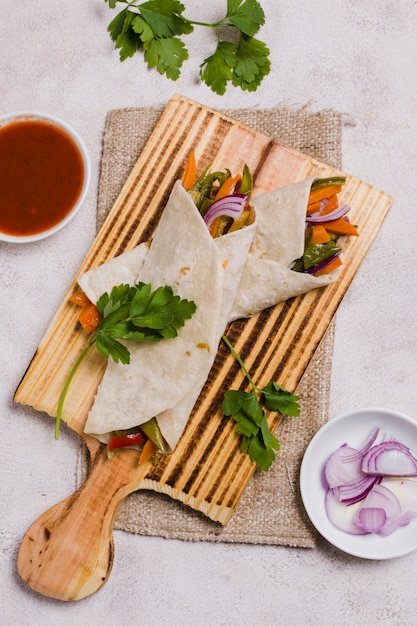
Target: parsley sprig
131,314
156,27
246,409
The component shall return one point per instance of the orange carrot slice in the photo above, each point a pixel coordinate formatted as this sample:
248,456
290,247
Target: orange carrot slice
228,187
325,192
188,177
341,227
337,262
319,234
148,450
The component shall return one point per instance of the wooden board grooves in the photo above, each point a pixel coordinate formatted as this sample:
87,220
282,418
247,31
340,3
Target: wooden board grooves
207,470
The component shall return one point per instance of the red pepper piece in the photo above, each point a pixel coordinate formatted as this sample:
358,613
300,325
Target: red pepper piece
124,441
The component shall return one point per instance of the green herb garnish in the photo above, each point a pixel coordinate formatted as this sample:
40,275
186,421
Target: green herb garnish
155,27
131,314
245,407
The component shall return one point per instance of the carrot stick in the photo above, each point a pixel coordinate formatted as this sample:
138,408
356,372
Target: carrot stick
337,262
341,227
228,187
148,450
319,234
323,207
325,192
188,177
214,226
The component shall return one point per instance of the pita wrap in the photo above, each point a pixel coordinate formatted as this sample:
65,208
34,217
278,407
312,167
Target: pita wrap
279,240
163,378
230,277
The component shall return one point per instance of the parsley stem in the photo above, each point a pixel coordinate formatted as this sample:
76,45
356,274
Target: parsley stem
67,384
241,363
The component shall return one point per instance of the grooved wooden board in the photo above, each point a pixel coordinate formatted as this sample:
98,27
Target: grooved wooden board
206,471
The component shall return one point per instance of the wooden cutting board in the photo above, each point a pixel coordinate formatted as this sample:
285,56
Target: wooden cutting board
68,552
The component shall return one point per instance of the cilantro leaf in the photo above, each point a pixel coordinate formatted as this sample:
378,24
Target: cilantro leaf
252,63
156,27
143,29
109,346
167,55
247,16
164,18
131,314
257,439
262,454
245,409
217,69
122,33
279,399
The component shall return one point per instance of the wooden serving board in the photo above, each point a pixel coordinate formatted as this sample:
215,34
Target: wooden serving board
206,471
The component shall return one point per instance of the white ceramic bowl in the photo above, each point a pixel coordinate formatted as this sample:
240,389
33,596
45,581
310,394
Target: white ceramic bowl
353,428
79,143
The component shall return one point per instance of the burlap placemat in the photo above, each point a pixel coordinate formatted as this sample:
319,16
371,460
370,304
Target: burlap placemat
270,511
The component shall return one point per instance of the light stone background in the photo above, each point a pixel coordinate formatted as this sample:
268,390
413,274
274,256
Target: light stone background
354,56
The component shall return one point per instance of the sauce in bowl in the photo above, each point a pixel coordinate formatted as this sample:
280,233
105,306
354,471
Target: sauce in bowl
42,176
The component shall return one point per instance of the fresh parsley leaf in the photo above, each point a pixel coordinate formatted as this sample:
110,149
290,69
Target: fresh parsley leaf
252,63
132,314
167,55
164,18
247,16
217,69
279,399
245,407
263,454
156,28
122,33
252,425
109,346
142,29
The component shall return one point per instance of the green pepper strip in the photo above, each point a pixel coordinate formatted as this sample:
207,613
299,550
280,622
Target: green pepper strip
317,252
319,183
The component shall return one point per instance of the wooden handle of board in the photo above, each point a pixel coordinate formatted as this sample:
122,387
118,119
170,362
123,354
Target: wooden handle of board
68,551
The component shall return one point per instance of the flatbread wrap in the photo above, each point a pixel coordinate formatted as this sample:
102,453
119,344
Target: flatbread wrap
231,276
197,267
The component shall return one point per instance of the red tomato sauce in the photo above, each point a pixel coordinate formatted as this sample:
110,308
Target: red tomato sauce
41,176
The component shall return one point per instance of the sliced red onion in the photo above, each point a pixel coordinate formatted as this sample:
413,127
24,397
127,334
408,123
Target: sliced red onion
374,501
340,468
359,454
406,491
317,218
344,466
342,516
230,206
390,458
380,498
372,519
356,490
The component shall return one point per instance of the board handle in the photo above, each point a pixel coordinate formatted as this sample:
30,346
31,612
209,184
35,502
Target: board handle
67,553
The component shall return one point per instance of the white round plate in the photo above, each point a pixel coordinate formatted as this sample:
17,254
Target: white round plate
353,428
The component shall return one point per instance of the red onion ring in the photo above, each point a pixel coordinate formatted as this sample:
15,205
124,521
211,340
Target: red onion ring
230,206
317,218
359,499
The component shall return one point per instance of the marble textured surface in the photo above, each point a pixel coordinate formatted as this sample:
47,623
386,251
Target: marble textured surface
356,57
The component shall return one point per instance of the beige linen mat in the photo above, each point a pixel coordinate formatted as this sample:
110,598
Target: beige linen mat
270,510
